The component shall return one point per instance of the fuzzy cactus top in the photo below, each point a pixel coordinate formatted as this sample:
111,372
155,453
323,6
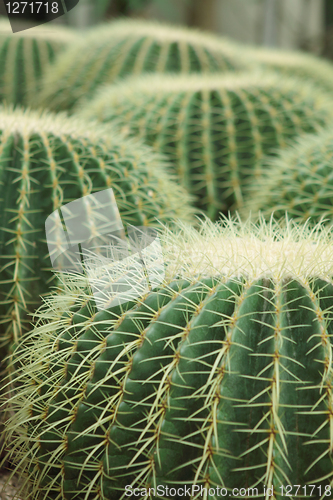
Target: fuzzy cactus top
306,66
132,47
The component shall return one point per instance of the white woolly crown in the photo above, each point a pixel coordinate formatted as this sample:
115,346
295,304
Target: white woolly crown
231,248
235,248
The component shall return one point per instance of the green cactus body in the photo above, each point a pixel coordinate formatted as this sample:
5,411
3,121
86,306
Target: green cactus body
215,129
300,64
129,47
25,56
222,377
298,182
49,160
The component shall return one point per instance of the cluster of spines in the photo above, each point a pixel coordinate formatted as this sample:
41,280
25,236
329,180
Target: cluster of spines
215,130
125,48
116,402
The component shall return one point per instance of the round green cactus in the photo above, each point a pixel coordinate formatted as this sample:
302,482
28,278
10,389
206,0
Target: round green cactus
215,129
299,182
129,47
221,378
300,64
25,56
49,160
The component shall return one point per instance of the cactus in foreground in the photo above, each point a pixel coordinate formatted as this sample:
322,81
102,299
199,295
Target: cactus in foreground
49,160
215,129
25,56
302,65
221,377
129,47
298,182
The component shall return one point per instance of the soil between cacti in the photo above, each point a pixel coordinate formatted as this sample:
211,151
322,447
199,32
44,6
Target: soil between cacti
8,487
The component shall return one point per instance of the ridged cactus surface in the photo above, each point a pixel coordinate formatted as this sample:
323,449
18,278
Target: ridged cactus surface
299,182
129,47
220,378
25,56
49,160
215,129
305,66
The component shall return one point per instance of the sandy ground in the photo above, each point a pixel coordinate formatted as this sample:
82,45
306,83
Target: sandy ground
8,492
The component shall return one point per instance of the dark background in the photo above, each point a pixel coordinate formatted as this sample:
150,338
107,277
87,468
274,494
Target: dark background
202,14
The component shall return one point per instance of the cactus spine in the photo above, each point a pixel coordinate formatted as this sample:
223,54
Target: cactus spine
129,47
222,377
49,160
24,58
215,129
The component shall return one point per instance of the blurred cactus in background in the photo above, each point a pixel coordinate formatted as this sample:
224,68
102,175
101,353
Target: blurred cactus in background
25,56
215,129
290,63
299,182
127,47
